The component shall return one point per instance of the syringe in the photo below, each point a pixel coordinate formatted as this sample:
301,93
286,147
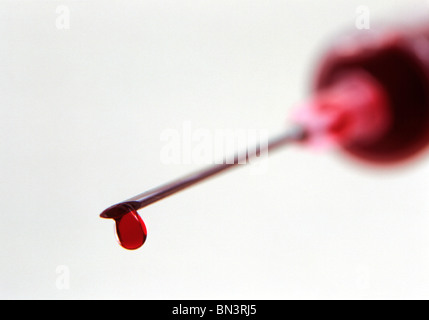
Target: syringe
371,100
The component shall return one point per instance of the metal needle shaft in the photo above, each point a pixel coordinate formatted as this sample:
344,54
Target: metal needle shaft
144,199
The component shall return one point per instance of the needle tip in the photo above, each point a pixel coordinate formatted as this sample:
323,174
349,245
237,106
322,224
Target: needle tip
116,211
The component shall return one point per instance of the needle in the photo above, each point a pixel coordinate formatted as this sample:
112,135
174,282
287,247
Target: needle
144,199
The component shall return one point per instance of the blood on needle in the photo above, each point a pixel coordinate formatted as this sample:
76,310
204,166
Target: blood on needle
130,228
370,100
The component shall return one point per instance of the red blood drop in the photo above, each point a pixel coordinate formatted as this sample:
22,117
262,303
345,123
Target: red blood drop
131,230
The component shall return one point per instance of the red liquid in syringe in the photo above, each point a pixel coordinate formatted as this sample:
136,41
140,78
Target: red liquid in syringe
397,62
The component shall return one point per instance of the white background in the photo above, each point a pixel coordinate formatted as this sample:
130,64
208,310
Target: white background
81,114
